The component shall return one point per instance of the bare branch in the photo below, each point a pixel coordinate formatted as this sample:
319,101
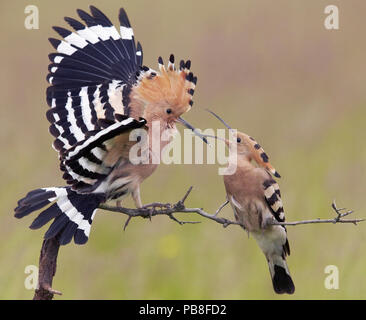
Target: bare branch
187,194
337,219
171,216
168,209
47,270
50,247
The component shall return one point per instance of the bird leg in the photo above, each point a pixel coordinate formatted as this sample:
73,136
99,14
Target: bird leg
136,197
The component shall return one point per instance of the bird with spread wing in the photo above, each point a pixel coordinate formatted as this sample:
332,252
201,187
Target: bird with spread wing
100,92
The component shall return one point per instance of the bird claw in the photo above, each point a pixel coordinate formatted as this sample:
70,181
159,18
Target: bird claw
155,205
151,207
266,223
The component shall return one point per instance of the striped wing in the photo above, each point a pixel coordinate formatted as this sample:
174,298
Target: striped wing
272,196
84,164
91,76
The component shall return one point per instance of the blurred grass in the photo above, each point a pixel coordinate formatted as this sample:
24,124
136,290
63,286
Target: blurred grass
272,71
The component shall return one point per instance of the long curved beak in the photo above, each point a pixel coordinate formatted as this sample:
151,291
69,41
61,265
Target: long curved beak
189,126
227,142
219,118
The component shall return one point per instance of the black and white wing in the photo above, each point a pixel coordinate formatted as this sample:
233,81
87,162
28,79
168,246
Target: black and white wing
272,196
84,166
91,76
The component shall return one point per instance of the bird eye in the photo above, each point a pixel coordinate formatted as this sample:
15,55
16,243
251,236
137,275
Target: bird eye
238,140
169,111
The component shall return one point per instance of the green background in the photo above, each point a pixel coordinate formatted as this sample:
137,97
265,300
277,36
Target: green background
272,70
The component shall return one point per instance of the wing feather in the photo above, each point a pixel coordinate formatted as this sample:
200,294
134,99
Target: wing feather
84,166
272,196
88,75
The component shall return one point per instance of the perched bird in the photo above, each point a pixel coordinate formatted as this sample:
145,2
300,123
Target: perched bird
99,93
255,198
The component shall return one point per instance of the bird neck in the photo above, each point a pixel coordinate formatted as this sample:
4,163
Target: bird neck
160,135
160,132
241,160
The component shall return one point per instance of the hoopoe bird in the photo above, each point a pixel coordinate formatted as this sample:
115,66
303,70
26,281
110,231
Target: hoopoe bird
255,198
99,93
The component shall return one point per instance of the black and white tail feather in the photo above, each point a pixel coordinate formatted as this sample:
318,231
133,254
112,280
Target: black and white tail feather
73,213
272,246
91,76
273,241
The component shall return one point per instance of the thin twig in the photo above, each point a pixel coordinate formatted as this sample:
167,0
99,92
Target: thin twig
221,207
126,223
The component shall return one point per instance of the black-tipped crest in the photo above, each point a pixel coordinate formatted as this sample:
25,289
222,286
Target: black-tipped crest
181,64
277,175
171,58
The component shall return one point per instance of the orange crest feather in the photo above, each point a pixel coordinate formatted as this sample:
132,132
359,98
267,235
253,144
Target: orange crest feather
169,86
260,156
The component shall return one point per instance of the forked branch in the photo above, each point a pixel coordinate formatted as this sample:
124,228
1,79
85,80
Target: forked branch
169,209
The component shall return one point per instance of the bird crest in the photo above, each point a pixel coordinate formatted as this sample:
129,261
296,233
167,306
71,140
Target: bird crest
259,155
167,87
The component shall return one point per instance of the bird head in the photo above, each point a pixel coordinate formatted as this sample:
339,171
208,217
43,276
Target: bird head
246,146
166,94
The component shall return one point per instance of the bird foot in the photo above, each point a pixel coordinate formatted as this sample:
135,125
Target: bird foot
151,207
266,223
155,205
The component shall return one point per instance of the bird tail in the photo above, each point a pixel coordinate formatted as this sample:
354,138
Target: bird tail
281,278
275,247
72,212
